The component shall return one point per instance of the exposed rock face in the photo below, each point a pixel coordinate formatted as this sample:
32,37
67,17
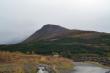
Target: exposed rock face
43,68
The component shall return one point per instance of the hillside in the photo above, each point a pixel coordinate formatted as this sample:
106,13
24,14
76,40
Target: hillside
54,39
51,32
47,32
16,62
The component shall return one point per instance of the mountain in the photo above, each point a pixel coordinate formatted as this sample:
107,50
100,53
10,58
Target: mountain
46,32
54,39
51,32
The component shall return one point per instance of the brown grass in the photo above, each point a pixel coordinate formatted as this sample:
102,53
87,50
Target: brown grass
16,62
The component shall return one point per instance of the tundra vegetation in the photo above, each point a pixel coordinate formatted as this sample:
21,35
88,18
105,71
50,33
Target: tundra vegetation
16,62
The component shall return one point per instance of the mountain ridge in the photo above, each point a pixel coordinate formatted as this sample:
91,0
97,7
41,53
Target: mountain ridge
52,32
51,40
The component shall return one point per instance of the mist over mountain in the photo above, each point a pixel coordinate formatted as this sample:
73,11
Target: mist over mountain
21,18
54,36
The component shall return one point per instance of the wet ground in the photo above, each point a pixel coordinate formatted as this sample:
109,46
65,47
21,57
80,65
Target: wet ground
89,68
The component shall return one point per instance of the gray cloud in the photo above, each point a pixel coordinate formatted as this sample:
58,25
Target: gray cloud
20,18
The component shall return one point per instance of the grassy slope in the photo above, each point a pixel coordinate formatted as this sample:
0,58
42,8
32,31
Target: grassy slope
70,46
22,63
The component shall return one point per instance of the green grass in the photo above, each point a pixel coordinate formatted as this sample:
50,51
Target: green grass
69,45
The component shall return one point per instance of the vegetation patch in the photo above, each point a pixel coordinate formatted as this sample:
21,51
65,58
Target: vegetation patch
15,62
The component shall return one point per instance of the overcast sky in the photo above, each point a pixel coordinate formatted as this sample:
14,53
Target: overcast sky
21,18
